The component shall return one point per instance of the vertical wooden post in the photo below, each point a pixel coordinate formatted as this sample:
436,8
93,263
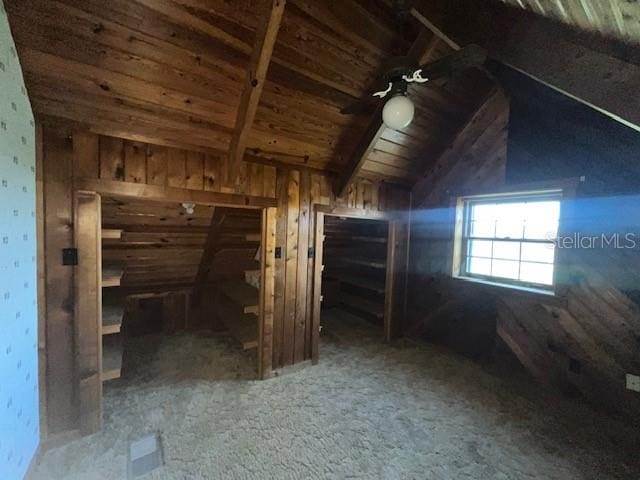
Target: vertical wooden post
88,310
389,287
317,286
267,297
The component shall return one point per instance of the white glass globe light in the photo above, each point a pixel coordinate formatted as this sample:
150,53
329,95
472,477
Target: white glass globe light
398,112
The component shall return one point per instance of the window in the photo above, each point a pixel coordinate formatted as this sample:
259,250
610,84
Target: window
509,239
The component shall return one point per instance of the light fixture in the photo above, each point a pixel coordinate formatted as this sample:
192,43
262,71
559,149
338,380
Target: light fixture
398,112
189,208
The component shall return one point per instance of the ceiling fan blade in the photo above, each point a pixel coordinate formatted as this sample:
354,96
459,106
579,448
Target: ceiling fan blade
465,58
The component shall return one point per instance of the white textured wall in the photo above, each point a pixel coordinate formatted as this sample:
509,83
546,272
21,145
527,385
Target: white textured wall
19,422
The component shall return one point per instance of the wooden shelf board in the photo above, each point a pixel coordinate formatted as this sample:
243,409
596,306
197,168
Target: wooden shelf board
359,238
111,234
242,326
111,357
363,304
112,314
242,294
364,262
111,276
355,238
361,282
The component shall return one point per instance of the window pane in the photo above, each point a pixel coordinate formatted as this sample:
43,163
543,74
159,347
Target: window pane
479,266
520,220
548,211
536,273
541,230
504,269
485,212
510,212
509,229
506,250
482,228
480,248
510,220
538,252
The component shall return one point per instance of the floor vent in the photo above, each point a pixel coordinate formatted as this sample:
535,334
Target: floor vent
145,455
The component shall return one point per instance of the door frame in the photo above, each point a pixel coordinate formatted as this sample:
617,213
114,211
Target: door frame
88,309
395,261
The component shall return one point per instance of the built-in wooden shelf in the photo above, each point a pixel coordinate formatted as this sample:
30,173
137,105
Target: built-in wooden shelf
252,277
111,234
362,304
111,357
361,282
244,329
111,276
243,295
242,326
365,263
370,239
112,314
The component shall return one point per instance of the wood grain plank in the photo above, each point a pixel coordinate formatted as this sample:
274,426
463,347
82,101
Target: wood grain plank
157,167
282,186
111,158
267,293
86,159
291,262
302,269
135,162
88,311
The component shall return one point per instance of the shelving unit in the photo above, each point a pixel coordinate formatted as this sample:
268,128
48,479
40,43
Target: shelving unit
111,357
355,259
111,277
370,307
112,314
242,326
113,308
243,295
238,308
365,262
360,282
111,234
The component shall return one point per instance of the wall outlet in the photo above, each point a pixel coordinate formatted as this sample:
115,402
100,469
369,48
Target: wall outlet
633,382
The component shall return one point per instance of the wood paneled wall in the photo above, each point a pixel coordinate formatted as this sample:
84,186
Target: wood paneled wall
582,340
71,158
110,158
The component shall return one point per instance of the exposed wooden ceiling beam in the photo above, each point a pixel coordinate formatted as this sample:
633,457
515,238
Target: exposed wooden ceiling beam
375,129
588,69
256,74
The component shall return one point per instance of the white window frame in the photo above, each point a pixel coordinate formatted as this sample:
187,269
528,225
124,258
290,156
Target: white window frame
461,238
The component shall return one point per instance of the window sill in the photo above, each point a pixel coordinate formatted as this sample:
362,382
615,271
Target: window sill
506,286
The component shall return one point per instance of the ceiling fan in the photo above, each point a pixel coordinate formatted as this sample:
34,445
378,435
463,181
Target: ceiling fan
399,72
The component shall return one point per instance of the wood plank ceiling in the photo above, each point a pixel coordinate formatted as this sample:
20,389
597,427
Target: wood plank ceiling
613,18
171,72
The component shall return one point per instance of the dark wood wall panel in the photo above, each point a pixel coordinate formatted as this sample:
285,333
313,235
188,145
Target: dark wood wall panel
161,246
58,234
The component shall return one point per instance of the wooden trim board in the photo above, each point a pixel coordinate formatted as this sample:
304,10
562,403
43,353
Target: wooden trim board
87,310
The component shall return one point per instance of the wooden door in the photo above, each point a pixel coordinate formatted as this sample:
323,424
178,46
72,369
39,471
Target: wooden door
88,310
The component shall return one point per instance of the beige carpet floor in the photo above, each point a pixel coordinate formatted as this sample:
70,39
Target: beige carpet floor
368,411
